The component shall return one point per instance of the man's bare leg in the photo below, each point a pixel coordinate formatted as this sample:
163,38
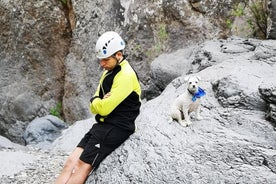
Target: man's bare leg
81,171
69,166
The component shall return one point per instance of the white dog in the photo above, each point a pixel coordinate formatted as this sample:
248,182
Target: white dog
188,102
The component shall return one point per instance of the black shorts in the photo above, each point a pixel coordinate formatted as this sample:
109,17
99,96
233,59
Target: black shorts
100,141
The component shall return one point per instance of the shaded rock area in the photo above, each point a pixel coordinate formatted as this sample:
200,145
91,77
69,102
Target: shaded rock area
268,93
35,38
272,17
233,143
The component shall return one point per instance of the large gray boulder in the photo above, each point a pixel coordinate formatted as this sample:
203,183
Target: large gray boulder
232,144
41,132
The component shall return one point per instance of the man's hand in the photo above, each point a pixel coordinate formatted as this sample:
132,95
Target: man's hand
107,95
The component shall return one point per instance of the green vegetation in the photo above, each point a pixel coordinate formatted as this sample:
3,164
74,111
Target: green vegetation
136,48
229,23
255,13
162,33
161,38
251,25
64,1
57,110
238,11
259,11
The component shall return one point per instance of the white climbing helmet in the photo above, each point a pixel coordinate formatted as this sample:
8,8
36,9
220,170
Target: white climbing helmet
108,44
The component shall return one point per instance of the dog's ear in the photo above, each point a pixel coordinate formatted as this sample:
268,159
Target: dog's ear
198,78
186,78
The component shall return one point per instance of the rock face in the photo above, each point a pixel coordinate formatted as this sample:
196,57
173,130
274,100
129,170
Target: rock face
234,143
34,41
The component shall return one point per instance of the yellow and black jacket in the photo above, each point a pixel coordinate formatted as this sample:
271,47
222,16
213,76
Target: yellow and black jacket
123,106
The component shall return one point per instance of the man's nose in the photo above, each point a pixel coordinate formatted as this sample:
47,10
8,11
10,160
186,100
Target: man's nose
102,62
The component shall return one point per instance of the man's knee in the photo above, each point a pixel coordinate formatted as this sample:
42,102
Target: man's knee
82,168
70,162
73,158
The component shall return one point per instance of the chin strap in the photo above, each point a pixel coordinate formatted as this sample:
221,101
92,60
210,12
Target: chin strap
200,92
119,60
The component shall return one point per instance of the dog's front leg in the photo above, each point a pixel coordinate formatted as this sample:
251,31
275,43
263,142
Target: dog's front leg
198,117
186,119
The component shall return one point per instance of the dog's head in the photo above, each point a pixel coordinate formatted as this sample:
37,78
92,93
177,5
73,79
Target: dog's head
192,83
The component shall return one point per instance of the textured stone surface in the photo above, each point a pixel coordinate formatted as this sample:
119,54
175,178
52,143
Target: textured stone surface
231,144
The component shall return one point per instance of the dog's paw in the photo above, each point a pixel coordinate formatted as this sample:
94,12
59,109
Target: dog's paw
188,123
198,117
185,123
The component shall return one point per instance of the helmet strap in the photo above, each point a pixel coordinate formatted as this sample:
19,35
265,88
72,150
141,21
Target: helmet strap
118,60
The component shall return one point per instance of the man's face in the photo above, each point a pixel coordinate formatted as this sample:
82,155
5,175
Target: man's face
108,63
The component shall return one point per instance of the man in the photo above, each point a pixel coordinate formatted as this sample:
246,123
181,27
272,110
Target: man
116,104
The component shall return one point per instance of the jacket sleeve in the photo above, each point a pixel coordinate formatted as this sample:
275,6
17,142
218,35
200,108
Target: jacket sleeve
97,93
122,86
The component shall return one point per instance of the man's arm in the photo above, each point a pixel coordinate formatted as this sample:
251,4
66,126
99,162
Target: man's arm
122,86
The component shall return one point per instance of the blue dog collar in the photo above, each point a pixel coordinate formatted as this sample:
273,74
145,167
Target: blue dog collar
200,92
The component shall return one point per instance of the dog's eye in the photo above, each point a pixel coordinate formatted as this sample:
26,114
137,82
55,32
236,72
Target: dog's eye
190,82
196,82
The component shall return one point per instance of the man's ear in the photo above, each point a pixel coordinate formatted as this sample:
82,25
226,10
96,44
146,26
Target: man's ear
119,54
